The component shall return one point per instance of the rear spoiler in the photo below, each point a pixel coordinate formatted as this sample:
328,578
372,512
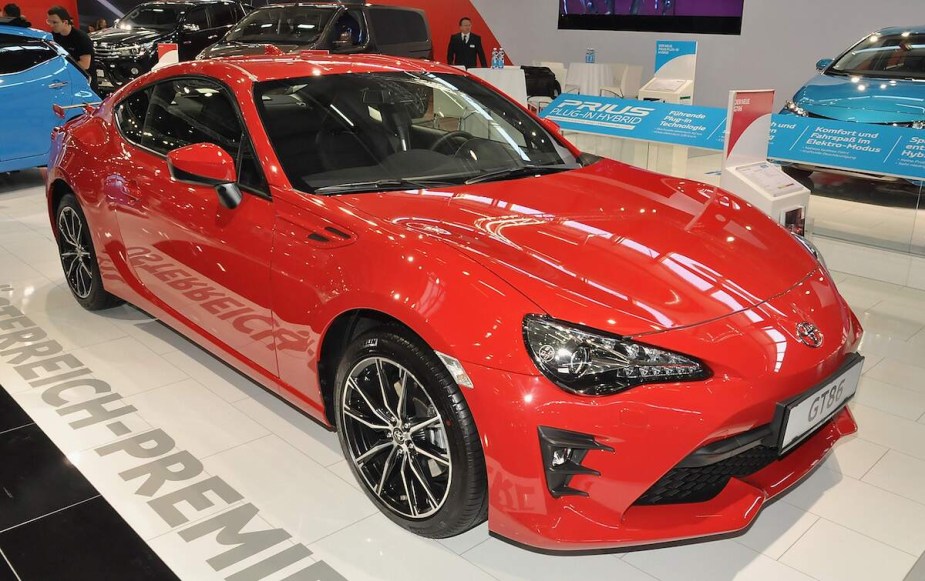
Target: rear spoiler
87,107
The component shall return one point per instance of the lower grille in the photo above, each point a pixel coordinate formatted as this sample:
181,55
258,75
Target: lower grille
701,483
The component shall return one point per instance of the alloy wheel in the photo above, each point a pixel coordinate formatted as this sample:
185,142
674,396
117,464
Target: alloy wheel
75,251
396,437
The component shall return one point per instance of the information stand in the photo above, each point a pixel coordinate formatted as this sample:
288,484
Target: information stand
746,171
673,82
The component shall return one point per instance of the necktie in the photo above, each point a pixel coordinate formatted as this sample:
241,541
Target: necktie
465,39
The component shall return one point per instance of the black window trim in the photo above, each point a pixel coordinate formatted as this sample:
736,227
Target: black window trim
253,191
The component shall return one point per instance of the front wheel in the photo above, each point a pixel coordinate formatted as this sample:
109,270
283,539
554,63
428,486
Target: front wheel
409,436
78,257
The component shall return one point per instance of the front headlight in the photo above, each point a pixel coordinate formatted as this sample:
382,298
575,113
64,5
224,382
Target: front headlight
795,109
586,362
136,50
918,124
811,248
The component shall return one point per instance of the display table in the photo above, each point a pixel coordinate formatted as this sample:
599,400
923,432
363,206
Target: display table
589,77
509,80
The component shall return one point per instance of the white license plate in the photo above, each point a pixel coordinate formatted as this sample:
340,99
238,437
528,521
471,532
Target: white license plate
104,82
810,410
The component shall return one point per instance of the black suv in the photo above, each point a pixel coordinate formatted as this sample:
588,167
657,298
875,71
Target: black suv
342,28
129,49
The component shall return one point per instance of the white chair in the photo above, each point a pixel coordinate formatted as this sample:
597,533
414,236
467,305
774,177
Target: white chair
628,81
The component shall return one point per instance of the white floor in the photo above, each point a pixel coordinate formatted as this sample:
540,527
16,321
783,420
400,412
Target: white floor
860,517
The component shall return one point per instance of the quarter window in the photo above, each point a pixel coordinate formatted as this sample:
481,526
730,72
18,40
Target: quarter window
223,15
130,114
17,56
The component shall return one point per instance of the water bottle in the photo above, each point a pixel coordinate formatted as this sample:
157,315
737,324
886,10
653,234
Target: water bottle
590,55
587,55
500,58
494,58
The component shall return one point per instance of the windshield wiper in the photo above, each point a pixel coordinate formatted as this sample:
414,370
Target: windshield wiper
379,185
521,170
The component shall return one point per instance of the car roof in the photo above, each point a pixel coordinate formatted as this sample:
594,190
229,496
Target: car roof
187,2
889,31
24,32
336,4
313,63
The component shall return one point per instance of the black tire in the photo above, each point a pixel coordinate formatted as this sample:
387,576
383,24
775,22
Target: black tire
78,257
443,461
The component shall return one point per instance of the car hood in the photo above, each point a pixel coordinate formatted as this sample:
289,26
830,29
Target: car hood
125,37
234,48
868,100
608,245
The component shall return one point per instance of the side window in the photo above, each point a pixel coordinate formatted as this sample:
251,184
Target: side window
197,18
394,26
349,31
130,115
17,55
223,15
187,111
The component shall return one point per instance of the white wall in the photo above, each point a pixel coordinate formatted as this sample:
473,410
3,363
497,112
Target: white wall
780,43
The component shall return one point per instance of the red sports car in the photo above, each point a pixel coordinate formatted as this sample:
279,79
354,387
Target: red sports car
588,354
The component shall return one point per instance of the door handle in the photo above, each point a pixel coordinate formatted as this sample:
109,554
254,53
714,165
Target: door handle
57,84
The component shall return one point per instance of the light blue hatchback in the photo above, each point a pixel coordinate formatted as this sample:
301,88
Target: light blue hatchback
879,80
35,73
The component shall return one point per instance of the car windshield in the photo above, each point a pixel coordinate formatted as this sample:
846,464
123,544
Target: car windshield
282,24
895,55
158,17
375,131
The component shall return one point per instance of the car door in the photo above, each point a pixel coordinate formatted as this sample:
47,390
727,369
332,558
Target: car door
33,77
207,263
194,32
222,17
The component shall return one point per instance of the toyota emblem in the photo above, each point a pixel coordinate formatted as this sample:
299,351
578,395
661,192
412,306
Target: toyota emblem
809,335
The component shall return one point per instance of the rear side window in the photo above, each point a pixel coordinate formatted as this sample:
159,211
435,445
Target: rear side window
398,26
223,15
18,54
130,114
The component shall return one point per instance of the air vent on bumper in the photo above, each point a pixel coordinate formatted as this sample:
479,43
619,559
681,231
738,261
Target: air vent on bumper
563,452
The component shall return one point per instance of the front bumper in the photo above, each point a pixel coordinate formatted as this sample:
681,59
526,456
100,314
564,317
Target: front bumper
646,432
112,73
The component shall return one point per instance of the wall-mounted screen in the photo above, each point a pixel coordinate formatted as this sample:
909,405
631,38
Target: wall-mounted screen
694,16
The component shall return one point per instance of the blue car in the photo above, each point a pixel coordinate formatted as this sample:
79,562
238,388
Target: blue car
879,80
35,73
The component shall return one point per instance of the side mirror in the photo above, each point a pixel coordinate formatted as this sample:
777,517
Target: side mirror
823,64
206,164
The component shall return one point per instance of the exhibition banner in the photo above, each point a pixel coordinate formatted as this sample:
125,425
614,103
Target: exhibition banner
747,110
879,149
643,120
675,59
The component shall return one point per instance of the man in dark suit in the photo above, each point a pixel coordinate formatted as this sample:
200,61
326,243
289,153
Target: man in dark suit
465,47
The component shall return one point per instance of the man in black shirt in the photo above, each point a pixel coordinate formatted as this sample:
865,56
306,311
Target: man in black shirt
75,41
12,12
